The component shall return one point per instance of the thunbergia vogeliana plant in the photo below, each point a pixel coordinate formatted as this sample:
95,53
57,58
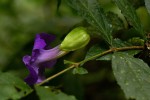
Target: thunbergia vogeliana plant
44,56
119,34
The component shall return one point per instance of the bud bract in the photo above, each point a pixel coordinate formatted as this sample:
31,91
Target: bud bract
76,39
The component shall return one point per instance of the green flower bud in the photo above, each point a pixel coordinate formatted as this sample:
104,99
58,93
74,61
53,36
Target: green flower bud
76,39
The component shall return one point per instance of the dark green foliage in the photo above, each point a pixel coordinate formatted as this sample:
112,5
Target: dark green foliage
116,22
132,75
94,50
129,12
46,93
94,14
12,87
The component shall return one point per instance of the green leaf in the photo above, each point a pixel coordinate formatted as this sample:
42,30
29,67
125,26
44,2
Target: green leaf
68,62
79,70
12,87
132,52
114,19
46,93
129,12
119,43
94,14
147,4
94,50
133,75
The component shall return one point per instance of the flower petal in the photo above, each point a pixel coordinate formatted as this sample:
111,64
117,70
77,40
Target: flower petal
41,76
42,57
47,55
48,64
32,77
26,59
42,40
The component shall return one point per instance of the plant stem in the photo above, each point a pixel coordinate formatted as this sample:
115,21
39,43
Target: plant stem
112,50
55,75
91,58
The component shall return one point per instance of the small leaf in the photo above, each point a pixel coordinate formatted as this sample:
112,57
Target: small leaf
12,87
79,70
94,14
68,62
46,93
133,75
94,50
147,3
129,12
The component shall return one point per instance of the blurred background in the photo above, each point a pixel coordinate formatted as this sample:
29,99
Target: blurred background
21,20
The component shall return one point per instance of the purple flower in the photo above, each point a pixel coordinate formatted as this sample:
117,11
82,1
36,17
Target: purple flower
43,56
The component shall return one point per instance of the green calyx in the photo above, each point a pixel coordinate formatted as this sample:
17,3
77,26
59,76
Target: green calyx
76,39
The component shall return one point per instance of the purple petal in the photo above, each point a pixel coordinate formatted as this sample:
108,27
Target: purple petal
39,43
47,55
35,54
42,40
48,64
42,57
41,76
32,77
47,37
26,59
36,74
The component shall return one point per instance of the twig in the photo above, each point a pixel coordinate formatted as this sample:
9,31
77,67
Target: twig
55,75
91,58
